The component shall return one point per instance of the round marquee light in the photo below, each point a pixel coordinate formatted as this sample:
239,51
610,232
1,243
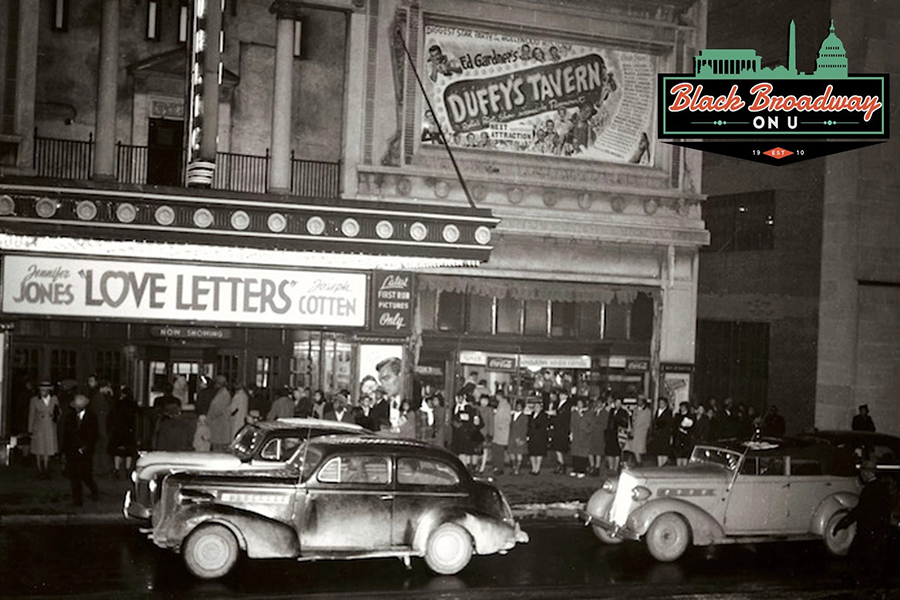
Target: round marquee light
450,233
164,215
418,231
126,212
7,205
240,220
315,225
86,210
483,235
384,229
350,227
277,222
203,218
45,207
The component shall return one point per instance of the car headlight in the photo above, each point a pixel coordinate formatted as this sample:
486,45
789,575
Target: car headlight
152,486
610,486
640,493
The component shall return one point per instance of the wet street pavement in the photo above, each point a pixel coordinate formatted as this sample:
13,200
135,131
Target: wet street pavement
562,560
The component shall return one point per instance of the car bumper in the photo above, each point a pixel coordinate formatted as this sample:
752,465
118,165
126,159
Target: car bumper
135,510
608,526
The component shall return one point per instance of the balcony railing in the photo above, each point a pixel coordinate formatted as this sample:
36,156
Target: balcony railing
73,159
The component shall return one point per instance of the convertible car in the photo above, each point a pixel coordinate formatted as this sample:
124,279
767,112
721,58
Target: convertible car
262,445
340,497
731,492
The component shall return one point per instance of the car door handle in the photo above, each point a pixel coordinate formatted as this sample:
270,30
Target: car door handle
387,497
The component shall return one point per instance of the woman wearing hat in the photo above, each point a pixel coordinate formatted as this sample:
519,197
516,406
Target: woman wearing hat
42,415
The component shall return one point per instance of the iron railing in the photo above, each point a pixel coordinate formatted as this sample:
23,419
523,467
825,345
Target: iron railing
73,159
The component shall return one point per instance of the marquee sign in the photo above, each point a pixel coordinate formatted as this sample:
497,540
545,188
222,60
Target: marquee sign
180,292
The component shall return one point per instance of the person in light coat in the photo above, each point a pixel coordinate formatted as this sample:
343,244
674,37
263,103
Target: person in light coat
240,406
502,421
43,413
219,416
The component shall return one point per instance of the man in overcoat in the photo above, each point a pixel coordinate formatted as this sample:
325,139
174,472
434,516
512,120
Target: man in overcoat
82,431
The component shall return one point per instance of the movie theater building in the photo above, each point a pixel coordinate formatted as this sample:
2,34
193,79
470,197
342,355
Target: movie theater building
548,110
298,218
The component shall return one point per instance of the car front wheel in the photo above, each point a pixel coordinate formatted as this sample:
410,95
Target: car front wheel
838,542
211,551
668,537
449,549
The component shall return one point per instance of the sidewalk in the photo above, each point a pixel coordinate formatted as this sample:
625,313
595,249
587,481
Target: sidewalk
24,498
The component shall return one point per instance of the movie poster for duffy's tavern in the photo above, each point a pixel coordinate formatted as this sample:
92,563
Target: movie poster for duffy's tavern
495,91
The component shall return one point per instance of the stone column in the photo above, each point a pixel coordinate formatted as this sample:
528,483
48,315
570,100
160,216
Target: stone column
107,84
211,65
282,98
354,101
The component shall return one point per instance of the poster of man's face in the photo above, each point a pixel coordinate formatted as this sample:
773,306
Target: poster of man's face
382,365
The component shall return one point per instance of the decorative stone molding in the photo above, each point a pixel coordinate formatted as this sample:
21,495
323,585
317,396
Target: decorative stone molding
404,186
515,195
479,192
550,198
651,205
441,189
618,204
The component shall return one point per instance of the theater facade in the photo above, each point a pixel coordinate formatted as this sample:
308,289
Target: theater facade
472,187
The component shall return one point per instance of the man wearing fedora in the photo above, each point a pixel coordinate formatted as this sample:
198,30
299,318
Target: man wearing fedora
862,421
82,430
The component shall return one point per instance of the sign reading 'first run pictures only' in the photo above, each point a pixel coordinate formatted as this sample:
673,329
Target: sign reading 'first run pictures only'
177,292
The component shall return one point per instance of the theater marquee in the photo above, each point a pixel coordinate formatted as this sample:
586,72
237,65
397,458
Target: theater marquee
66,287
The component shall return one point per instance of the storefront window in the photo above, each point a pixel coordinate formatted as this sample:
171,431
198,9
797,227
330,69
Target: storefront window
451,307
229,367
616,324
109,367
481,314
266,371
589,320
509,315
536,317
63,365
562,319
427,306
642,318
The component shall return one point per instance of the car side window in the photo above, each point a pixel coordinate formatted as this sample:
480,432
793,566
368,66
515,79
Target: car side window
771,465
289,445
805,466
271,450
415,471
883,455
355,469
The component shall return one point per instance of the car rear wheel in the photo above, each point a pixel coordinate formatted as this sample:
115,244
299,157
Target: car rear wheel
838,543
449,549
668,537
605,536
211,551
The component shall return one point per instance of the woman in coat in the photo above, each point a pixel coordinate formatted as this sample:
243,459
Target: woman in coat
538,437
660,442
518,436
599,415
121,425
682,435
640,429
619,421
43,412
580,425
463,424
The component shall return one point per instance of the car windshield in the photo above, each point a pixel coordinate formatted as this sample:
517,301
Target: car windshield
305,460
717,456
246,442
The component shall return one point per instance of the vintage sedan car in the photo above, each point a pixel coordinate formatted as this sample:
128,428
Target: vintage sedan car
881,448
730,492
263,445
340,497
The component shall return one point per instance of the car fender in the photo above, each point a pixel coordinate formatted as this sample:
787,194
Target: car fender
599,503
705,530
257,535
489,533
829,506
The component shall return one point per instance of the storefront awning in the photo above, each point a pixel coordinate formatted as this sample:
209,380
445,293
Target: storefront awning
521,289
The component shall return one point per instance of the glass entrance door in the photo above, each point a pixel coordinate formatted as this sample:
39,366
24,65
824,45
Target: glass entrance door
182,375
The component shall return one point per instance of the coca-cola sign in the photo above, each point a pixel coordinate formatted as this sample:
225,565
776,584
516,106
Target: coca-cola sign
392,302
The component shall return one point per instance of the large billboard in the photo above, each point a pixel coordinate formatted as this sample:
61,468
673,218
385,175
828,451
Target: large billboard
514,93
